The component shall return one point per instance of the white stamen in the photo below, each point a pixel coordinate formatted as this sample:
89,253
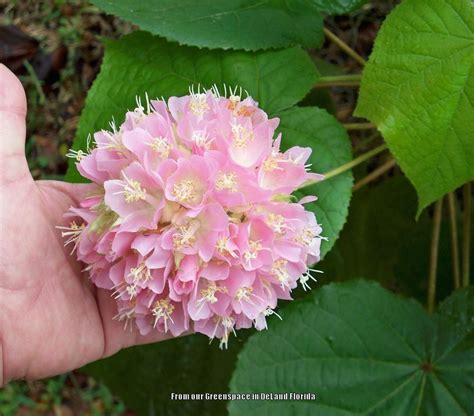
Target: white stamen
252,252
244,293
126,315
280,271
269,311
141,273
73,234
223,248
185,191
227,181
161,146
276,222
114,140
185,235
241,136
208,295
306,276
202,140
132,190
198,102
163,309
228,324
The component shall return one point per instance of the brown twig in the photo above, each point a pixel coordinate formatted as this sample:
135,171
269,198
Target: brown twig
434,255
374,174
454,240
344,46
466,232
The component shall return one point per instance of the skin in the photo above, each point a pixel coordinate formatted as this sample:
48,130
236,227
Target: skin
52,319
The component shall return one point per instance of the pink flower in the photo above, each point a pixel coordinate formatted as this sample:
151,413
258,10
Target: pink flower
188,225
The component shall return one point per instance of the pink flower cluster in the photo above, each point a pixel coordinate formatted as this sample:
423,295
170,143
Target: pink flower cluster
191,225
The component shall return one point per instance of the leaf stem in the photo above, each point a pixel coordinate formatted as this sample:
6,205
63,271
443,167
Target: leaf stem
335,78
350,80
434,255
454,240
359,126
344,46
374,174
466,232
346,166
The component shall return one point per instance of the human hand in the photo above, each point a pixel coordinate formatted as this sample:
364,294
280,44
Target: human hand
52,318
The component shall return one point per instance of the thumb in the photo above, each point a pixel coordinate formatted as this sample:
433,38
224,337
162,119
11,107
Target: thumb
13,165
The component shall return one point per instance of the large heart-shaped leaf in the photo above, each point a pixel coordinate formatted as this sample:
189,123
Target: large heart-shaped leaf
316,128
459,307
236,24
141,63
144,377
361,350
418,88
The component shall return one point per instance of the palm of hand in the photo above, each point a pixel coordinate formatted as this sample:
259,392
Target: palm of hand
52,319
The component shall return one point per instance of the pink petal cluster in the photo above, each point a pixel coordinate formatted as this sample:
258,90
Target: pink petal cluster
191,225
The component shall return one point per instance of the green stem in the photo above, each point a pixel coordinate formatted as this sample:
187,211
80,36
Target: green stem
466,232
350,80
354,162
344,46
434,255
338,84
454,240
359,126
329,79
337,78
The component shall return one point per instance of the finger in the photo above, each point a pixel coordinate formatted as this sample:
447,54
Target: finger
75,191
12,125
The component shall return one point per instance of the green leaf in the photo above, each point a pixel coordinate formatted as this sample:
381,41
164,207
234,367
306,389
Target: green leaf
380,220
412,267
418,88
315,128
236,24
361,350
141,63
460,307
338,6
144,377
382,241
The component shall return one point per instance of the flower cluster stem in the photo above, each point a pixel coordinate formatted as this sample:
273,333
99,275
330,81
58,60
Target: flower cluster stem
354,162
344,46
434,255
466,245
